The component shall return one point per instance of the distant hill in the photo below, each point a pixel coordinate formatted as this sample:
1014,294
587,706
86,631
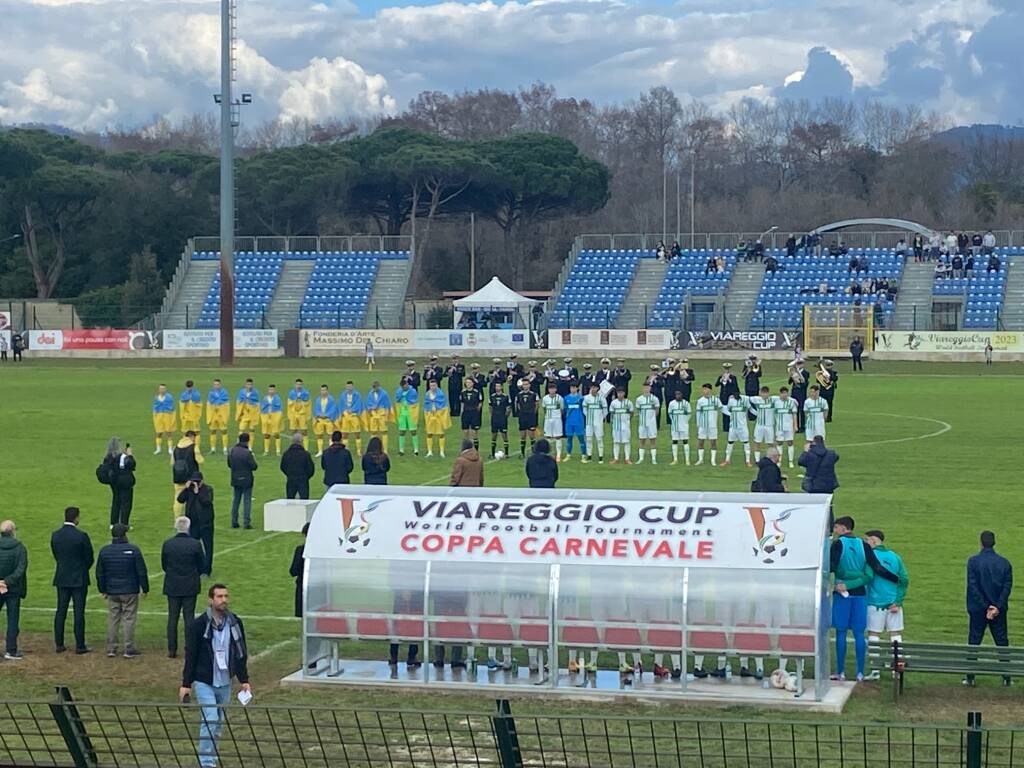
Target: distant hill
965,135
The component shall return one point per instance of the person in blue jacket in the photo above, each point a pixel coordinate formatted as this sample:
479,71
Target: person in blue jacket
989,582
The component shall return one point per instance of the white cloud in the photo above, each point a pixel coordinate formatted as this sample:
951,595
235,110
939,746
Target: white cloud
115,61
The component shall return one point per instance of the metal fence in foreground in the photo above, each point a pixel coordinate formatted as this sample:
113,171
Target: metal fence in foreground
63,732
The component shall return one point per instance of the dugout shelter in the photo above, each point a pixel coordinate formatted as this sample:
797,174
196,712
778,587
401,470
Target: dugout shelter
554,574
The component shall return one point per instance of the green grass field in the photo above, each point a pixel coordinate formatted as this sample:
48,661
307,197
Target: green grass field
929,453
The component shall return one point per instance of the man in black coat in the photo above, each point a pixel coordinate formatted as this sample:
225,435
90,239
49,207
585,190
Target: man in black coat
769,476
336,463
73,552
297,466
455,372
819,465
182,560
242,464
989,582
297,569
857,352
121,575
216,634
541,469
728,385
198,500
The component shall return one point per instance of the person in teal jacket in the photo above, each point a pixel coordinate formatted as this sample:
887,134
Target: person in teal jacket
885,598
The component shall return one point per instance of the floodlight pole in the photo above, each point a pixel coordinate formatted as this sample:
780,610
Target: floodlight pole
227,186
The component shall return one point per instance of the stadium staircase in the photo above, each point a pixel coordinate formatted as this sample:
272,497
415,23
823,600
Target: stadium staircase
291,287
191,295
1013,302
915,291
741,295
386,306
642,294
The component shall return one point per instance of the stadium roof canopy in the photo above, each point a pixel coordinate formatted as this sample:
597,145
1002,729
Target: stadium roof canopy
910,226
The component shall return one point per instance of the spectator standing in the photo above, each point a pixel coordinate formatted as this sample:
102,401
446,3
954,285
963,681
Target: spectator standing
375,463
819,465
13,584
120,576
336,463
118,471
185,461
976,243
790,246
17,345
297,466
242,464
988,353
73,553
541,469
468,470
4,346
215,653
197,500
918,245
769,476
182,560
989,582
297,569
857,353
988,243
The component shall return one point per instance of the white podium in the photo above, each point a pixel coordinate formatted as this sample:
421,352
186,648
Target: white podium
288,514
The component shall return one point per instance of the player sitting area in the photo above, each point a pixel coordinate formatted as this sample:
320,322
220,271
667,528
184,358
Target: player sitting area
968,660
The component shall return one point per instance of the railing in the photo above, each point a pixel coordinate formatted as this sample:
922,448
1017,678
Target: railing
314,243
777,239
63,732
180,272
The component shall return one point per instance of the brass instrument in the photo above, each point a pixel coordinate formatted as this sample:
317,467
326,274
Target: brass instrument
823,377
795,374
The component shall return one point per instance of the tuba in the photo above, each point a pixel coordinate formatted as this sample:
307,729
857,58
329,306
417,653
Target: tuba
823,377
795,375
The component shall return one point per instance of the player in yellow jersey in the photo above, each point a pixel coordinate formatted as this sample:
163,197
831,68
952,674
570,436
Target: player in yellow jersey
247,408
299,409
164,421
350,417
271,417
190,410
218,411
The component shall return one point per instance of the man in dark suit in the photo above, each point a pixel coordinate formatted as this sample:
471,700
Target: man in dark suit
989,581
182,560
73,552
198,501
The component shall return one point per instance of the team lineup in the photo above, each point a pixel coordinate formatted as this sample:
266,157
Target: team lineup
560,404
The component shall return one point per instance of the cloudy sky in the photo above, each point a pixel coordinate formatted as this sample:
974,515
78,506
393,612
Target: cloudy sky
99,63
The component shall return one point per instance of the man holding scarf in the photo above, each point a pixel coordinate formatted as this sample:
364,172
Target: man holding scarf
215,653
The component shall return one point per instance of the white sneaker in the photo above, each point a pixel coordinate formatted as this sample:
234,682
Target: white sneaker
673,462
430,454
639,461
266,453
697,464
319,454
156,452
654,462
442,454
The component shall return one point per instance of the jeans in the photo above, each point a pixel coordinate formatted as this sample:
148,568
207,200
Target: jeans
243,496
13,620
186,607
66,595
121,610
212,699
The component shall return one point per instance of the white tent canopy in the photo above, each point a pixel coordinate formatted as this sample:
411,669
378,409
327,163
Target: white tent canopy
496,299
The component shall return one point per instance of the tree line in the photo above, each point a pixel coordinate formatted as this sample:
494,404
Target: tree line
107,214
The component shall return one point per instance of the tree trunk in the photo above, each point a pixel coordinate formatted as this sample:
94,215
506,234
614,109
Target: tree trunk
28,230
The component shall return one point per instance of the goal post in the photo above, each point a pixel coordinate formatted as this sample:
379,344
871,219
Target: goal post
829,329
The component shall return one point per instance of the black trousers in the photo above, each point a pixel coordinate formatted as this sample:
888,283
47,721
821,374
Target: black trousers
857,364
65,596
413,656
800,413
205,535
831,405
996,627
179,606
296,487
121,501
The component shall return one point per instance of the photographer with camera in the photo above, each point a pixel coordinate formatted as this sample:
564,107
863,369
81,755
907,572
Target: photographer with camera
197,498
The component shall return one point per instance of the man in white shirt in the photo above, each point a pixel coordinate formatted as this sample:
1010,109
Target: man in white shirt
647,406
708,409
595,409
679,421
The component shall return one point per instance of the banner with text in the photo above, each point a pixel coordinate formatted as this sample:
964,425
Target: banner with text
765,341
361,523
638,340
198,339
5,321
91,338
948,341
354,340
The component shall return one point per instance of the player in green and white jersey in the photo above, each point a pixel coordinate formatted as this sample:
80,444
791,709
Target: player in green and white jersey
708,409
595,409
620,410
815,412
679,411
736,411
786,409
647,407
764,425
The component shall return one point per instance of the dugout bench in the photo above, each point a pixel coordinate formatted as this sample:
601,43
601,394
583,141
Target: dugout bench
899,658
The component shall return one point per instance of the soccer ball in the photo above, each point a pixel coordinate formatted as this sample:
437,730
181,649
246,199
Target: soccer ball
499,455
